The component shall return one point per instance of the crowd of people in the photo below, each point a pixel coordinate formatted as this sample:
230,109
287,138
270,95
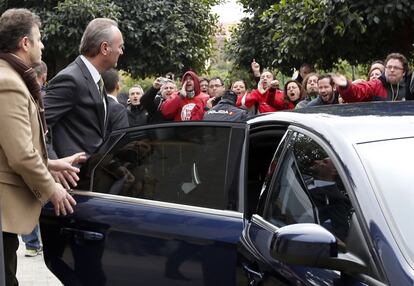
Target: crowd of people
48,132
208,99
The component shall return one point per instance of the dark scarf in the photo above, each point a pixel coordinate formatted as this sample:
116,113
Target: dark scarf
30,79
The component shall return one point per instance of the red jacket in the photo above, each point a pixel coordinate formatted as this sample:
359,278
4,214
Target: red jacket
271,100
280,102
373,90
183,109
205,97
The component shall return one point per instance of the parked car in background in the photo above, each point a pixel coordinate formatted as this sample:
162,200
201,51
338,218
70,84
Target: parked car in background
319,196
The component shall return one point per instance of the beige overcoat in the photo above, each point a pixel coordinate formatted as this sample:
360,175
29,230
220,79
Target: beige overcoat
25,182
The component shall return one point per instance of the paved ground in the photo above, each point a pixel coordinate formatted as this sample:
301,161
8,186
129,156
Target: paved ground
32,271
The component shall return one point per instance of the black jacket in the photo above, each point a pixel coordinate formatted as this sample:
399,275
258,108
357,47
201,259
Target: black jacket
225,110
151,101
75,112
118,116
409,82
137,115
318,101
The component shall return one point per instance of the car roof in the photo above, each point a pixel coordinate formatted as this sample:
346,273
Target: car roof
355,123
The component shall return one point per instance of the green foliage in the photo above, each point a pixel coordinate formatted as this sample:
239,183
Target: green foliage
160,35
351,72
128,81
34,5
63,23
286,33
256,5
242,74
3,6
68,20
249,42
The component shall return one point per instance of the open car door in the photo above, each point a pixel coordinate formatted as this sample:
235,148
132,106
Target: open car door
157,205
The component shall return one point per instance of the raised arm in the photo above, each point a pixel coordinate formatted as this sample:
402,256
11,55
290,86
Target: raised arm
355,92
147,100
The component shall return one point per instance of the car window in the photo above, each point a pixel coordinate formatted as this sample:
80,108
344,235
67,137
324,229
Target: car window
187,165
308,189
87,168
270,171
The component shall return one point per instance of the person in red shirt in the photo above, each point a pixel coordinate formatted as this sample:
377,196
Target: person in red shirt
392,85
267,97
188,103
239,88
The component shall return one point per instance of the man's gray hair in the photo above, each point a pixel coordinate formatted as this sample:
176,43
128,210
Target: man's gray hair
40,68
98,30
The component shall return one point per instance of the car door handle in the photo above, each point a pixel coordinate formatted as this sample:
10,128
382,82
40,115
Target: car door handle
82,234
253,276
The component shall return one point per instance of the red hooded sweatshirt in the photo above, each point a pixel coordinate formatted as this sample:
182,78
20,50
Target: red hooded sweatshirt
184,108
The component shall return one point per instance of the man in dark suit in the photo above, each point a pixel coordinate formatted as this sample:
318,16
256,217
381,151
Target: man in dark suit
117,113
76,104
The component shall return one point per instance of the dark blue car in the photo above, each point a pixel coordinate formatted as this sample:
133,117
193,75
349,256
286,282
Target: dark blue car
321,196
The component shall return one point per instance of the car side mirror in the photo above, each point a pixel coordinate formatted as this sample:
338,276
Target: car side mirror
304,243
309,244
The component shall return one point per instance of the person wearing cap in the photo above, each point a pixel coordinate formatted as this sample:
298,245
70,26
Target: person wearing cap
226,109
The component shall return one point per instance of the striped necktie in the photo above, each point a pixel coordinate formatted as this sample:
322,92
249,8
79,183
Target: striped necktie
101,86
101,92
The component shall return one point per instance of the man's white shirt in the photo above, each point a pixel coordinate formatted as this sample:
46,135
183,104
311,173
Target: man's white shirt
113,97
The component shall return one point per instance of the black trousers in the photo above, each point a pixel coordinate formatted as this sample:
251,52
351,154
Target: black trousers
10,245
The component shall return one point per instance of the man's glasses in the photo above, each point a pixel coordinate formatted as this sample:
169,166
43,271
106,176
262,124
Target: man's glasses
394,68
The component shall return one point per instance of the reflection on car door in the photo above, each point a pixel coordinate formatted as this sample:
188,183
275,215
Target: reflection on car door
304,189
162,209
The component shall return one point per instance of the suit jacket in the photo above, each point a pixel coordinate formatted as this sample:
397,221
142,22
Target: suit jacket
74,111
25,182
117,116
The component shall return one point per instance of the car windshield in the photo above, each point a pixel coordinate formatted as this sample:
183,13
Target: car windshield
390,167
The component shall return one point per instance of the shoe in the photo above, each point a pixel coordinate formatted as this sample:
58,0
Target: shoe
33,252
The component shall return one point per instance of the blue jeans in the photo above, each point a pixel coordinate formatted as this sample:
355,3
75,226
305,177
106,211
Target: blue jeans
32,240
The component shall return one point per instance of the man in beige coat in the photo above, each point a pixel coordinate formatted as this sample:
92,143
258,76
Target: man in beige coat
25,181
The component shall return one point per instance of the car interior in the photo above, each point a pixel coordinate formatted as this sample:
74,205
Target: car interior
263,142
